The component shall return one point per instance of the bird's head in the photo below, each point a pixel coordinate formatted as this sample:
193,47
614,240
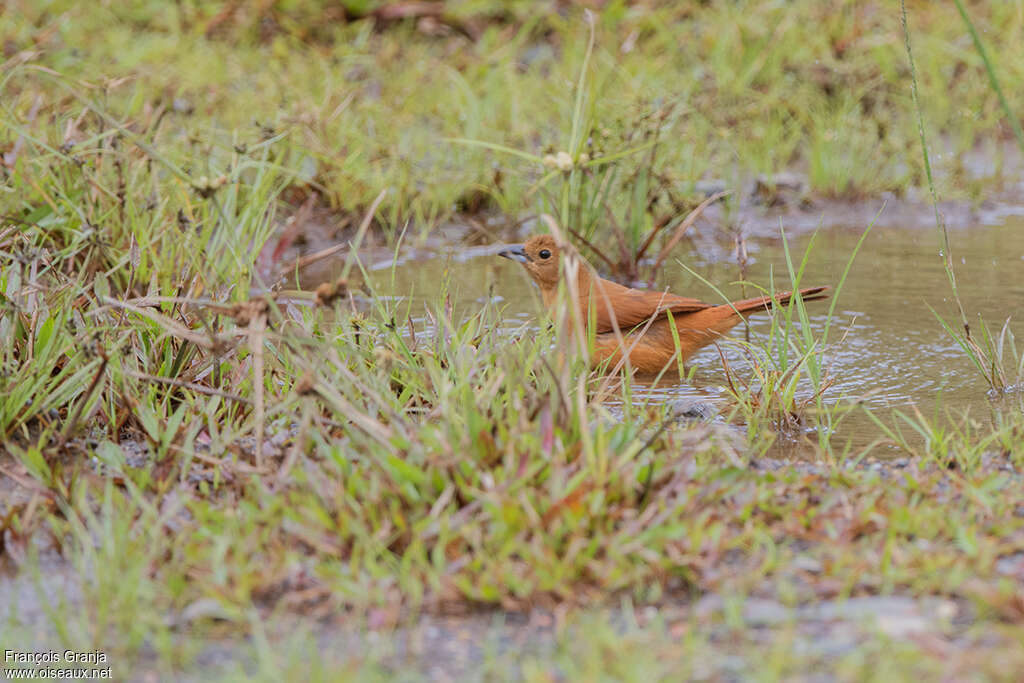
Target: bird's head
540,256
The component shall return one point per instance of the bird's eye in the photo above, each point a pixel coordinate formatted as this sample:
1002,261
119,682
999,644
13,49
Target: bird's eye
544,253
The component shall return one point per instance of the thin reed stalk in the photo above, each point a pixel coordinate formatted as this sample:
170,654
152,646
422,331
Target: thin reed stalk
947,252
974,351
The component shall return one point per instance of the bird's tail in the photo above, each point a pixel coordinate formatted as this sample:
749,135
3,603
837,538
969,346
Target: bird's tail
765,303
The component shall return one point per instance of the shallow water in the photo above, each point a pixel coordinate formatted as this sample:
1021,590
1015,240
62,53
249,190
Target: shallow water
887,349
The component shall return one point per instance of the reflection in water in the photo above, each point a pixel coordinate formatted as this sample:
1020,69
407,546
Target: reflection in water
886,347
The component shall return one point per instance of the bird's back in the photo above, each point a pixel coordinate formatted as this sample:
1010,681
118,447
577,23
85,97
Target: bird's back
614,305
645,327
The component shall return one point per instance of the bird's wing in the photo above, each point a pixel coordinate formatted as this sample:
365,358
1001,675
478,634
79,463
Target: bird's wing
634,307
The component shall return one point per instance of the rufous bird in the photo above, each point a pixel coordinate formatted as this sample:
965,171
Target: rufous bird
641,316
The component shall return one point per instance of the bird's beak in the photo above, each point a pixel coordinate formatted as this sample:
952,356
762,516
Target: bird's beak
515,252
